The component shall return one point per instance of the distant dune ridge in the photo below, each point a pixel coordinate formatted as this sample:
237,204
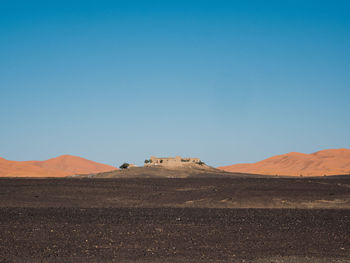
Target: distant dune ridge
326,162
61,166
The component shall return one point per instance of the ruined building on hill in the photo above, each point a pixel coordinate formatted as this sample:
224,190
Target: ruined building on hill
171,161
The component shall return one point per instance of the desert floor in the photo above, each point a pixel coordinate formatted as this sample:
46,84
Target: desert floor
175,220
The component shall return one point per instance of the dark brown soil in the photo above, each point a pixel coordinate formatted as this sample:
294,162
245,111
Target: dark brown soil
185,192
175,220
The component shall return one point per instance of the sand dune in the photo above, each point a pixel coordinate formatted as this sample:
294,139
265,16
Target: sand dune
61,166
326,162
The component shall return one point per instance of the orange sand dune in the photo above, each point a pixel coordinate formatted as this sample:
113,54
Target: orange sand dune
326,162
64,165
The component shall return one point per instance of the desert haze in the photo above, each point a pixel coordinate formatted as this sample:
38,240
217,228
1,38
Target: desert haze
326,162
61,166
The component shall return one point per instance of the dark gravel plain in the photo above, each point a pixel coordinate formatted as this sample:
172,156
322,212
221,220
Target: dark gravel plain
175,220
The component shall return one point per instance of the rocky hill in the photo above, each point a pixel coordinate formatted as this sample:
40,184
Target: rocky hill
193,170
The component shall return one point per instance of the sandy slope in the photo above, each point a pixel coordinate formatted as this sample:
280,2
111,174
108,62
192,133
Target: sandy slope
326,162
64,165
23,169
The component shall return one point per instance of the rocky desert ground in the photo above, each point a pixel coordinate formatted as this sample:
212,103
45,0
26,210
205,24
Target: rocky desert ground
196,219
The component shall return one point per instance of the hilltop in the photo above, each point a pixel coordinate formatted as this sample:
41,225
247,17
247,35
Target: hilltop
190,170
326,162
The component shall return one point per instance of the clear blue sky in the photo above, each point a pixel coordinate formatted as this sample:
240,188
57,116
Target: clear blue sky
226,81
